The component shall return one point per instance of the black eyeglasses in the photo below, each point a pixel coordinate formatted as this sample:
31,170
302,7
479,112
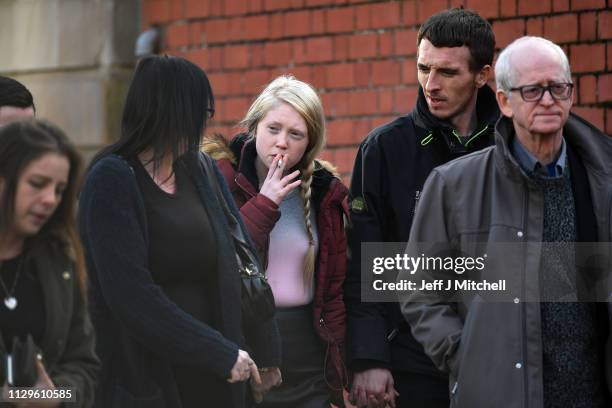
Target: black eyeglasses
533,93
210,113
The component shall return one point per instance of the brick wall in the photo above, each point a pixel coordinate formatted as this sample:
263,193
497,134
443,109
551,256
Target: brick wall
360,55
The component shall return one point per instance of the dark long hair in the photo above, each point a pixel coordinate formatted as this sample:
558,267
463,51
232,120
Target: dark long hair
166,110
21,143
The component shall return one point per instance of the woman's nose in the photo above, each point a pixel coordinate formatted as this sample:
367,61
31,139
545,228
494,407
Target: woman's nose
281,140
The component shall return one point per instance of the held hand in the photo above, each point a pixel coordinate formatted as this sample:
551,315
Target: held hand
275,186
373,388
270,378
244,368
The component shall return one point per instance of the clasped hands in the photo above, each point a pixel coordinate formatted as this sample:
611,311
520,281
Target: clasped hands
261,380
373,388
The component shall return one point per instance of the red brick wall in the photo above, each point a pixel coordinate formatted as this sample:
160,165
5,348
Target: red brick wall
360,55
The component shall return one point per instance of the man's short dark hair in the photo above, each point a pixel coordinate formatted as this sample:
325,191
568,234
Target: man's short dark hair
14,93
458,27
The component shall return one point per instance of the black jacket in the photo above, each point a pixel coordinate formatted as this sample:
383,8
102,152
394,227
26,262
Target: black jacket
391,167
141,332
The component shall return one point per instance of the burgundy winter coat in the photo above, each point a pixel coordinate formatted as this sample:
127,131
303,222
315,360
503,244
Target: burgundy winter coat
260,214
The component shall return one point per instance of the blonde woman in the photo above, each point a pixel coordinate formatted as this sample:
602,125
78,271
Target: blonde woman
293,207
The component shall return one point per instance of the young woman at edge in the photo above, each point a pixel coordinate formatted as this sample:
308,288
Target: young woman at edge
41,260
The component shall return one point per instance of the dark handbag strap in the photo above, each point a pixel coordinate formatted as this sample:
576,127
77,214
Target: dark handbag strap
214,184
243,253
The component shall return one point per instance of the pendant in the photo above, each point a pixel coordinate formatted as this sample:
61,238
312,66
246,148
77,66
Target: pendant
10,302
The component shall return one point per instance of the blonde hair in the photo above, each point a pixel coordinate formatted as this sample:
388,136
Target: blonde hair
303,98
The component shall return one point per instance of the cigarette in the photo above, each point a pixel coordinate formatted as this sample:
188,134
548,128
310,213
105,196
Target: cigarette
279,163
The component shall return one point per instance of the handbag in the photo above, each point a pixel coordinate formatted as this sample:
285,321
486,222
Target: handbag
257,299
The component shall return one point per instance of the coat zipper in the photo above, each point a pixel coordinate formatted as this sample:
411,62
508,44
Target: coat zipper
417,196
330,343
523,294
322,324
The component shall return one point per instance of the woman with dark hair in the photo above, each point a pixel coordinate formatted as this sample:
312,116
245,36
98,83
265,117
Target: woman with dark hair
42,273
165,288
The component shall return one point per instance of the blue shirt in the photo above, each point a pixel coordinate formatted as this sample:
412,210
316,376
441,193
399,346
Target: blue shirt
530,163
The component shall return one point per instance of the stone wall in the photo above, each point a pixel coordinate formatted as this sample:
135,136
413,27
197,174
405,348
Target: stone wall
76,57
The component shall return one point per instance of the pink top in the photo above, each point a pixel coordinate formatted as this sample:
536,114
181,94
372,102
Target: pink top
287,252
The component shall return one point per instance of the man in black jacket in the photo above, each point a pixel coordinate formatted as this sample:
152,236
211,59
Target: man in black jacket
455,114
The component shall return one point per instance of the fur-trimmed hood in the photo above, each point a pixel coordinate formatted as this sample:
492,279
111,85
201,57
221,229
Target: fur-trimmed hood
218,148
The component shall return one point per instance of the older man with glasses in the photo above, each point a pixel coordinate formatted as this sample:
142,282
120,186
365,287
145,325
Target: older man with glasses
544,190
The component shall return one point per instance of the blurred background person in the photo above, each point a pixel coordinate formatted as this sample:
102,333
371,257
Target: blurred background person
42,272
164,293
16,101
293,207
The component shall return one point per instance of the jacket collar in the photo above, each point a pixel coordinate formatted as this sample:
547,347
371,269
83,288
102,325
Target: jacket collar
504,133
531,164
244,148
55,274
487,113
593,148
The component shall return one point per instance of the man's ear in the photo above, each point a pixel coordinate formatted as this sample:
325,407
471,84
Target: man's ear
504,103
483,76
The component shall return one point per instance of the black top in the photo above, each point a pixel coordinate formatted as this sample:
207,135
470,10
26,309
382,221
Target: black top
182,259
29,315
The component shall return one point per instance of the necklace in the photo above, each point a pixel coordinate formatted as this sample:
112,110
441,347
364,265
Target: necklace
10,301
